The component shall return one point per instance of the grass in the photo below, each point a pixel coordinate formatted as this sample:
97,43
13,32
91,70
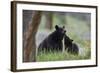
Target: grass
61,56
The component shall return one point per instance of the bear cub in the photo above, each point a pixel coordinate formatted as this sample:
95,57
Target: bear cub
70,46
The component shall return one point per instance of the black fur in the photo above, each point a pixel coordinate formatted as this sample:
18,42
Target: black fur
70,46
54,40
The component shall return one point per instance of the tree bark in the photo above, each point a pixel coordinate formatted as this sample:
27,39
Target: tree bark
30,34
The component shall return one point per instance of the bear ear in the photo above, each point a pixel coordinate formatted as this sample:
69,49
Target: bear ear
56,27
63,27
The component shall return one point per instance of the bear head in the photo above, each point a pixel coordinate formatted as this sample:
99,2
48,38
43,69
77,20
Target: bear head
60,32
67,41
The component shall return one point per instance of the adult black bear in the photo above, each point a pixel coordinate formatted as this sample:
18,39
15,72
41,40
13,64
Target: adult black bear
54,40
70,46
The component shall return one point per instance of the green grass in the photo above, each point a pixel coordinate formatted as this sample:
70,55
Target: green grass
60,56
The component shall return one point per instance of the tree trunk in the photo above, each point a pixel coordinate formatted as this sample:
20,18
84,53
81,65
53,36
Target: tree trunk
30,34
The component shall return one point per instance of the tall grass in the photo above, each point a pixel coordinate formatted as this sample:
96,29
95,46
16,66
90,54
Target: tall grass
59,56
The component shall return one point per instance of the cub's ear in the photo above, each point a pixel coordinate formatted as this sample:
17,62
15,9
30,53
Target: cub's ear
56,27
72,40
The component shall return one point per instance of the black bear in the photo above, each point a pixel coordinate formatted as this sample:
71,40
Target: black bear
70,46
54,40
